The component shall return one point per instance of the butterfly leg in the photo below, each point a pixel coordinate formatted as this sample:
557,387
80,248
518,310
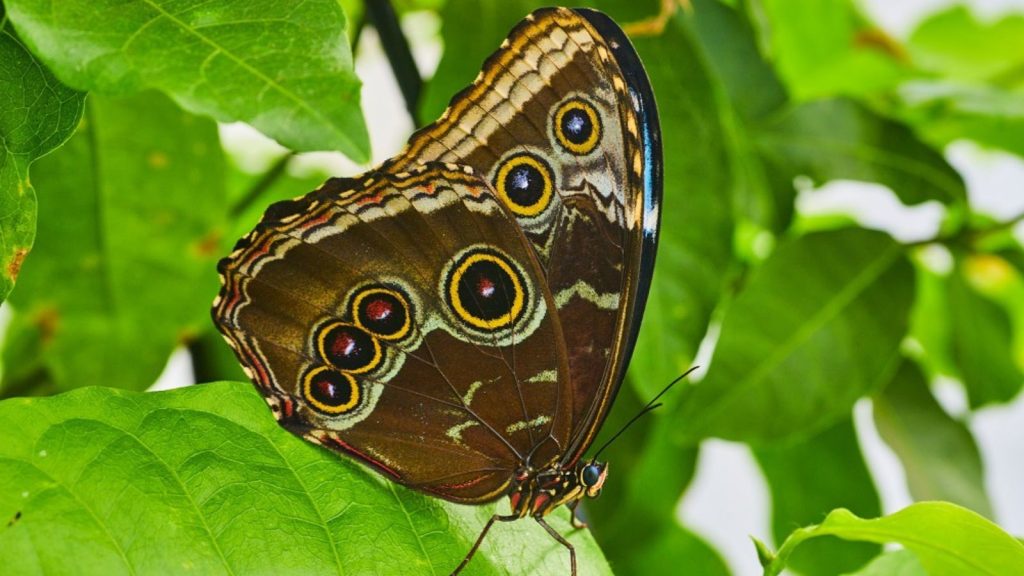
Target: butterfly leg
561,539
576,522
480,538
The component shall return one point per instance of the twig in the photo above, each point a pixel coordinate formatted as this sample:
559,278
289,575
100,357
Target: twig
396,47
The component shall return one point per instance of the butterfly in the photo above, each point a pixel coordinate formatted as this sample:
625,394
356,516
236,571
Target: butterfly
461,317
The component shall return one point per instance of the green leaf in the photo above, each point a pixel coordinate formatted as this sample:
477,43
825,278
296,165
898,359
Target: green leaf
938,453
816,327
129,233
944,111
981,344
957,44
823,48
896,563
695,244
284,67
202,480
948,540
748,90
841,139
37,114
805,487
730,48
930,318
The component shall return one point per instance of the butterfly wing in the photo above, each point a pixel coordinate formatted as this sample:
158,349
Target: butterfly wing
562,122
403,319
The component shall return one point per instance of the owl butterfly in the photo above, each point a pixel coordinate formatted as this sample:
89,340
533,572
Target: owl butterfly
461,317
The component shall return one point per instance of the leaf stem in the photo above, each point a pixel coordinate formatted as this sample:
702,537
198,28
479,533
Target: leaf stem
261,185
383,17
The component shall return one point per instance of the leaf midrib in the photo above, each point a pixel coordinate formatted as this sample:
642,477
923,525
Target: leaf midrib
827,312
247,67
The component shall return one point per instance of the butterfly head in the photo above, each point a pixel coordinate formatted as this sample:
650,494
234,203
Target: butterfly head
592,476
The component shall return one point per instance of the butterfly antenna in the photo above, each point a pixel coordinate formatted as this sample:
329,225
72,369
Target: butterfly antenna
646,409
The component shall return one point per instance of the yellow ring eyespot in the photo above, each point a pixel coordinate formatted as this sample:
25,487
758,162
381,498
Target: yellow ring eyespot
524,183
485,290
330,391
348,347
383,312
577,126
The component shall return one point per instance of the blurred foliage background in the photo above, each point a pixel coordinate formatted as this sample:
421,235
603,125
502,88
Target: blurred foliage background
796,313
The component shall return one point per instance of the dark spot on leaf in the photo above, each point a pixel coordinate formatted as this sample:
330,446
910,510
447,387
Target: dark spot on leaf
47,320
14,519
209,245
14,267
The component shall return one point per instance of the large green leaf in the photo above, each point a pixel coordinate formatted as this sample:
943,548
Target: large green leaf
128,237
948,540
202,480
841,139
938,453
805,487
944,111
284,67
816,327
981,344
37,113
895,563
823,48
959,45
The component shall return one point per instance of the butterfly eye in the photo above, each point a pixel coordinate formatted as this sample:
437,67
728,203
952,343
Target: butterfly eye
485,290
591,475
383,312
348,347
330,391
577,126
524,184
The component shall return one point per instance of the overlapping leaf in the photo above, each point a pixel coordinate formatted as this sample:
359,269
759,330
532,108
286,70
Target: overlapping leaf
129,233
37,113
948,540
203,480
938,453
805,486
284,67
816,327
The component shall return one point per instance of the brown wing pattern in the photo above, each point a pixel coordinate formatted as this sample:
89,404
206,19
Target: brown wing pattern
402,318
594,235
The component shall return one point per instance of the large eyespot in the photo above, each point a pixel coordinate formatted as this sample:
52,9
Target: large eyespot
524,183
485,289
577,126
382,311
348,347
330,391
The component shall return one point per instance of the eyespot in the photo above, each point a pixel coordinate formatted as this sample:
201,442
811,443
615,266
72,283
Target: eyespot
348,347
577,126
485,289
382,311
330,391
524,183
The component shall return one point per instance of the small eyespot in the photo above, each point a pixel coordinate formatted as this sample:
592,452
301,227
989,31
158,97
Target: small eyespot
577,126
524,183
485,289
330,391
348,347
382,311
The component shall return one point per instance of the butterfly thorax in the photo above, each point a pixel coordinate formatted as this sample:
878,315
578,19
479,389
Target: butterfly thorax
538,492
